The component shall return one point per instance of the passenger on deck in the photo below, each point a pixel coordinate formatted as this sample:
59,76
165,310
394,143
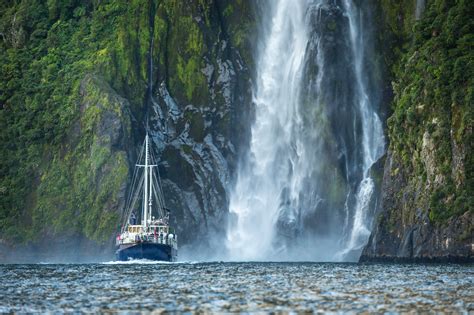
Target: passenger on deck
133,219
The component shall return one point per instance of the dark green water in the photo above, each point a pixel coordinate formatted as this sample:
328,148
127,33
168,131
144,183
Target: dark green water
236,287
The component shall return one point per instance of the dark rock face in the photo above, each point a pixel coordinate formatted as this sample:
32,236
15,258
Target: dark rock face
332,109
199,120
427,201
404,232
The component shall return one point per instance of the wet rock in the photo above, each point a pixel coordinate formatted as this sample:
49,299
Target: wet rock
200,138
403,230
94,175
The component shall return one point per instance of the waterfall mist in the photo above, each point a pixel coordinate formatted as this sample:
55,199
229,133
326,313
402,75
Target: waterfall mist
304,191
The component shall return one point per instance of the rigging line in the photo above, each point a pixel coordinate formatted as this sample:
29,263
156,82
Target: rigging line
137,194
132,189
155,182
157,200
154,192
161,189
132,201
134,178
152,155
160,192
162,199
130,192
158,196
135,173
155,172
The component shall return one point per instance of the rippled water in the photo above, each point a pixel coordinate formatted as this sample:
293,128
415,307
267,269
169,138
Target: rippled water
231,287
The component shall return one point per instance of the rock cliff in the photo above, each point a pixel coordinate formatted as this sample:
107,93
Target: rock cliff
200,112
427,210
79,80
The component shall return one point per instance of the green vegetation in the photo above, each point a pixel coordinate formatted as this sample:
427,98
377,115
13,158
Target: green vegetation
431,126
70,67
186,50
50,154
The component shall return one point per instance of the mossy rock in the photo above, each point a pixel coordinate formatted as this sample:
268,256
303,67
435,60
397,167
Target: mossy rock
83,191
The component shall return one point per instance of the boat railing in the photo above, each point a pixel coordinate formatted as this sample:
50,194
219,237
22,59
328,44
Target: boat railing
157,238
155,228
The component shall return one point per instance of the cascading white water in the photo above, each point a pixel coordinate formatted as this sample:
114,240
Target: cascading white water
372,135
305,188
256,196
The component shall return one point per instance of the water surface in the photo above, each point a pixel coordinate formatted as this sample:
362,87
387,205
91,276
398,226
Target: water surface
236,287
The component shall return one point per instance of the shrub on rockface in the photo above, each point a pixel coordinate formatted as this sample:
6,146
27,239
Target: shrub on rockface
431,126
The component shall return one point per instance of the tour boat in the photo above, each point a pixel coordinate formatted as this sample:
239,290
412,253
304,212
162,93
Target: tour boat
153,238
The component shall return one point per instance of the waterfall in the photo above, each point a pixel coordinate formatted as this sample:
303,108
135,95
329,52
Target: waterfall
304,190
372,135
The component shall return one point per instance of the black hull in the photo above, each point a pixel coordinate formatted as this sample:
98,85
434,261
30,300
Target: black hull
145,250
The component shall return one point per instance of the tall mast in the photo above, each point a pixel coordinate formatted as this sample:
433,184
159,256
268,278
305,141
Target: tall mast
150,191
145,197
